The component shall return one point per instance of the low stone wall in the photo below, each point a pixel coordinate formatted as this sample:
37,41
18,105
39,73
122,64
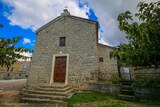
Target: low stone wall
147,70
12,75
146,92
113,89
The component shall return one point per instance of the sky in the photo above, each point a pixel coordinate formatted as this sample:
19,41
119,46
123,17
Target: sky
24,17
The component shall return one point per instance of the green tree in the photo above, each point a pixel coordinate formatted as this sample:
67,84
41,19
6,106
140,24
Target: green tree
143,47
9,53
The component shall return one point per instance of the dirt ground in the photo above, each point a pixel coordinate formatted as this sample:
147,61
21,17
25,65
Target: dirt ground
10,96
6,85
111,104
12,99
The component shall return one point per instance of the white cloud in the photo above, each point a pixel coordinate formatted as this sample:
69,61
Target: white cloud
35,13
26,41
107,12
27,54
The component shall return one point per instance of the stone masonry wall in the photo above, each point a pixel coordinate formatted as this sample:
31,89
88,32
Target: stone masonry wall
108,66
81,46
12,75
146,70
113,89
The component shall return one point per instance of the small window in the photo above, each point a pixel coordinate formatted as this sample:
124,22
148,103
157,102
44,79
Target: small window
62,41
101,59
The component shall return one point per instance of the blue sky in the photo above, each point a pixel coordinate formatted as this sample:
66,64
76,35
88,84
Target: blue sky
10,31
29,36
23,17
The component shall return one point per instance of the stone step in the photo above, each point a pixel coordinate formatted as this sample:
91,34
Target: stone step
126,87
44,92
127,97
48,93
51,97
54,86
54,89
38,100
129,83
127,92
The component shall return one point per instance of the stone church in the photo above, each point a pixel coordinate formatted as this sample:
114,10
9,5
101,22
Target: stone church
67,56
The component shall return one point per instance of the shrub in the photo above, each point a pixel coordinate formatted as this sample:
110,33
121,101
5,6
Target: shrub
114,78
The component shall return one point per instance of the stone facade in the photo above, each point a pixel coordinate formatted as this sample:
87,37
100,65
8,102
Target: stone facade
108,65
82,51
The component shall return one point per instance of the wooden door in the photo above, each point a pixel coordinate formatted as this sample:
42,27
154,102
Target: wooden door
60,69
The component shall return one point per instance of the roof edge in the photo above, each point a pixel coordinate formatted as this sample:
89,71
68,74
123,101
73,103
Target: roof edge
62,16
48,23
105,45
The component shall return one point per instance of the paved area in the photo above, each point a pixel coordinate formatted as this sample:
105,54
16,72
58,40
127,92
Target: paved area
6,85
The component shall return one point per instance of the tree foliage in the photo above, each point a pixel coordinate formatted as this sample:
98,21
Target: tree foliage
143,47
9,53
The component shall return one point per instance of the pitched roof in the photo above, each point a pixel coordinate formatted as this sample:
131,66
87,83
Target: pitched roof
69,16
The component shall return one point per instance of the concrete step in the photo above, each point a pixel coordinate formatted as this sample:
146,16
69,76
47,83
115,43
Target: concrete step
54,89
51,97
127,97
38,100
44,92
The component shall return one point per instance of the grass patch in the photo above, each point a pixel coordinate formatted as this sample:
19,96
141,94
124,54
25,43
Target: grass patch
105,100
149,101
88,97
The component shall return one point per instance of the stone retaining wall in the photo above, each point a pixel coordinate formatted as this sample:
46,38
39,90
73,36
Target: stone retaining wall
130,73
147,92
12,75
113,89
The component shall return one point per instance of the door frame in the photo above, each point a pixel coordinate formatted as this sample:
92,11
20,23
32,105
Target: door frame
53,66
